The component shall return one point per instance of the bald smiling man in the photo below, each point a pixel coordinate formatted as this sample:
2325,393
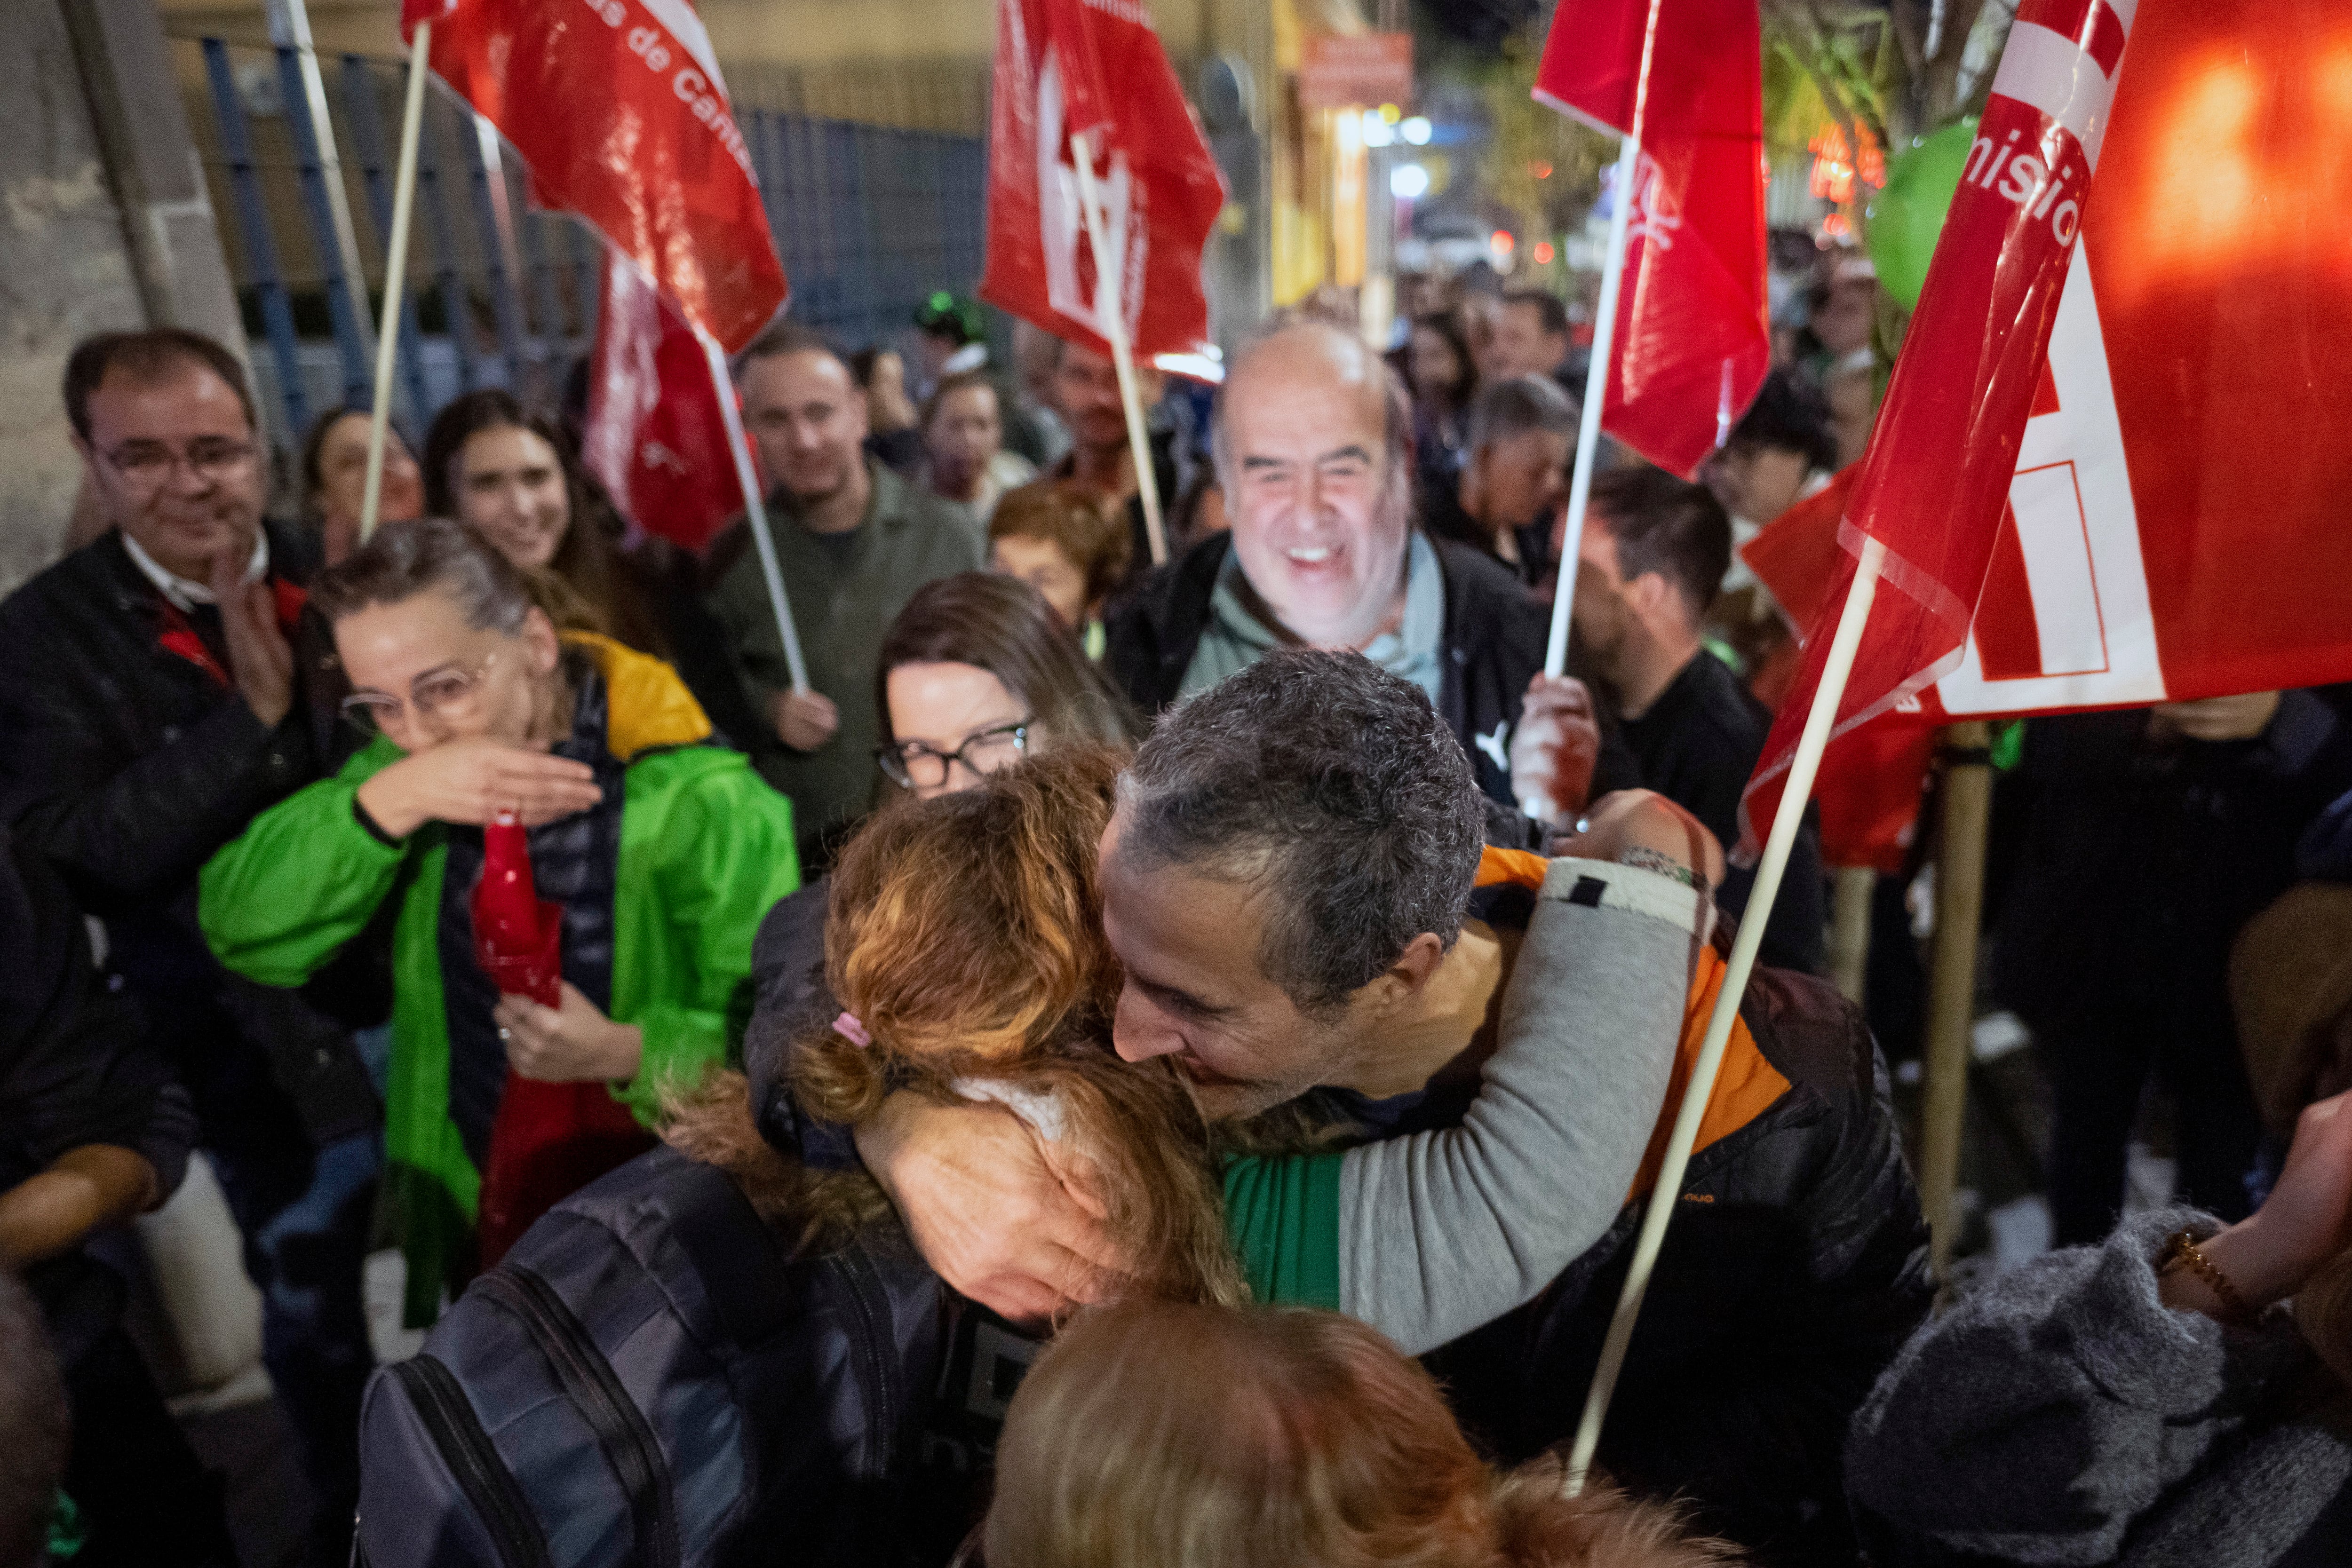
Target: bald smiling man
1314,451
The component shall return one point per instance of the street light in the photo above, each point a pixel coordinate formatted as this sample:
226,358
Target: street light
1408,182
1415,130
1378,131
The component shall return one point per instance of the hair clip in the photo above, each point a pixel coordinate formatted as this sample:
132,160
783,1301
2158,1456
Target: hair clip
847,1026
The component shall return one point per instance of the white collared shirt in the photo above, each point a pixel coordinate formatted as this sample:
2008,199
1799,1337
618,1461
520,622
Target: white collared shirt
183,594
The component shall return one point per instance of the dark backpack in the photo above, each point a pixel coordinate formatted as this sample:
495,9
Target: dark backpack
647,1379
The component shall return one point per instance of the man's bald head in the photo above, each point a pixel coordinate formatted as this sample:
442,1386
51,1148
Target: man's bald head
1314,448
1317,354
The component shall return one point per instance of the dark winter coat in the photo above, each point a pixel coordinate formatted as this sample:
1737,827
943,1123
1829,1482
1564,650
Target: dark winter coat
1491,646
127,758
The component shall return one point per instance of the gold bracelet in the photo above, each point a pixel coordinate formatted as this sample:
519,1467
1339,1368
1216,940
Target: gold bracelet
2183,1249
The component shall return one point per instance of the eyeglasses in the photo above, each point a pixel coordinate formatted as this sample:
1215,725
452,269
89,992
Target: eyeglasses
911,765
148,464
450,694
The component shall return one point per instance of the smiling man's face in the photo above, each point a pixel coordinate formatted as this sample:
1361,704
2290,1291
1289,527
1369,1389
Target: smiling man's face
1196,990
1310,482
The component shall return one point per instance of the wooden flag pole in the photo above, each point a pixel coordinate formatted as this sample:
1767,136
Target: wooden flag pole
1604,343
1854,887
1110,316
1797,788
1952,979
396,276
755,506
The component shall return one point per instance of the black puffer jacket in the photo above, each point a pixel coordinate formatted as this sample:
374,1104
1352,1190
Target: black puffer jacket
127,762
1491,646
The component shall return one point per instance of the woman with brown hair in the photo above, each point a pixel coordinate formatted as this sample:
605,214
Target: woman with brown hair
512,476
2147,1401
1063,539
518,480
976,671
1159,1435
333,474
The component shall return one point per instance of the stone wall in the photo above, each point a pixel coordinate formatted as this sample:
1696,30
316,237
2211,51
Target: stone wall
65,272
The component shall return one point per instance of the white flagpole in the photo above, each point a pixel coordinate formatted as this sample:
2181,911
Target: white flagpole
1799,788
1604,342
395,274
755,506
1111,317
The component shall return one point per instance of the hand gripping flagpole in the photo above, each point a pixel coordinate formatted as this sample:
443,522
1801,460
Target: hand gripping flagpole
1111,318
1604,342
1799,787
395,274
755,506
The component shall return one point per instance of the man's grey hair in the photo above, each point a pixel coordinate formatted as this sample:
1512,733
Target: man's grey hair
1396,421
1330,786
1518,405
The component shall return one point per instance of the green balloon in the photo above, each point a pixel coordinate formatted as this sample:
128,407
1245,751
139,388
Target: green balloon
1905,218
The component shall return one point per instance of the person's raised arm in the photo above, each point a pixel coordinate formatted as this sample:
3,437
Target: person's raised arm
1441,1232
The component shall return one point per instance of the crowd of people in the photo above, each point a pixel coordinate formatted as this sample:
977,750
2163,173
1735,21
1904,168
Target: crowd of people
1118,1065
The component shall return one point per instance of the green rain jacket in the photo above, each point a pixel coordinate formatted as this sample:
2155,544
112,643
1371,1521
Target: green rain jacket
706,848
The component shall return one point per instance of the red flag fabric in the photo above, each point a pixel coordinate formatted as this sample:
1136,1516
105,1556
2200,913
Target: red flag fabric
620,111
1693,338
654,436
2172,521
1159,185
1936,478
1871,778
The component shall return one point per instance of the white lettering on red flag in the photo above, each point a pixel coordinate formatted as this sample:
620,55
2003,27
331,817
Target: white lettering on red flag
1937,482
1088,66
620,111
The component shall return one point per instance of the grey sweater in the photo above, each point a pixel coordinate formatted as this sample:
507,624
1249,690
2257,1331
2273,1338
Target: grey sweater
1441,1233
2062,1414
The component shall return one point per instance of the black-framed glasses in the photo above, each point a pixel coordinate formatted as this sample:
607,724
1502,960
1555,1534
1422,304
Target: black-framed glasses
446,694
911,765
147,464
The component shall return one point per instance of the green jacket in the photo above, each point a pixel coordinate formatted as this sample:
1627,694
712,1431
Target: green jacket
705,850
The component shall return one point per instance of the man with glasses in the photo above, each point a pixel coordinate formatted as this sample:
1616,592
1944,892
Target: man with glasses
854,542
160,691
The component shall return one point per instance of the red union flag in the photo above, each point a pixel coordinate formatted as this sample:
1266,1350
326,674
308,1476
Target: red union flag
653,435
1693,344
2170,527
1057,63
1934,482
619,109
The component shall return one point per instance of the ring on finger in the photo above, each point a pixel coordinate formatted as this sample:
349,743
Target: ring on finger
505,1033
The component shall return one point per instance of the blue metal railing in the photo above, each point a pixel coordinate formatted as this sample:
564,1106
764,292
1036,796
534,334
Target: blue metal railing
869,220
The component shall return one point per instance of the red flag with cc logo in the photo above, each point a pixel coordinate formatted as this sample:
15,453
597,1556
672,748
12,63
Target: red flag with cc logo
1095,66
1693,342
